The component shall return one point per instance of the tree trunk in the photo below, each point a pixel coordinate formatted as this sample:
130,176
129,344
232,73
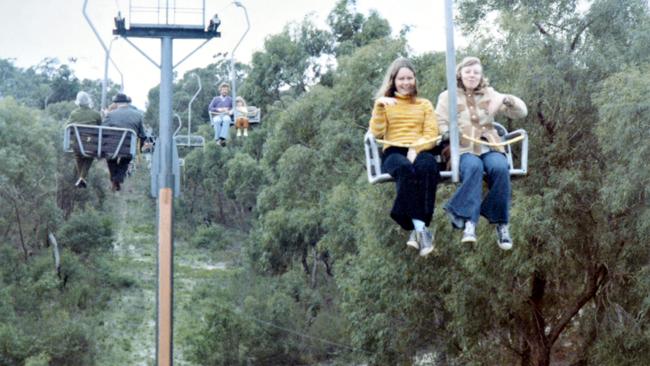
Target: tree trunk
20,231
57,256
538,348
540,353
314,267
303,260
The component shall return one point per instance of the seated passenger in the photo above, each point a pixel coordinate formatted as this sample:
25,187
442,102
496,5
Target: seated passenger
84,115
123,116
220,110
409,125
478,103
241,117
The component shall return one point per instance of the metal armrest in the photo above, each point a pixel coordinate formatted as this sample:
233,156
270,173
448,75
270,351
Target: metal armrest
373,160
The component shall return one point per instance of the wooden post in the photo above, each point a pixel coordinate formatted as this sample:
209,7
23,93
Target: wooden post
165,277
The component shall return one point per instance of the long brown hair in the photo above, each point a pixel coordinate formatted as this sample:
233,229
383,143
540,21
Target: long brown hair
388,86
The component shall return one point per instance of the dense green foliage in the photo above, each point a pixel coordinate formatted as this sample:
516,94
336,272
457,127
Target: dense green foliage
317,271
577,219
47,83
48,315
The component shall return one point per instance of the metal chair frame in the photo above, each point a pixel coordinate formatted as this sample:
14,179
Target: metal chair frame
73,129
373,155
254,115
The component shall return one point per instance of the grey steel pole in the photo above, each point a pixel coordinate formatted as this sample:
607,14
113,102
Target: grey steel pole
165,302
189,108
104,81
451,89
115,66
90,23
233,74
233,77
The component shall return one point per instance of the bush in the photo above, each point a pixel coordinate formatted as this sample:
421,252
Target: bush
210,237
86,232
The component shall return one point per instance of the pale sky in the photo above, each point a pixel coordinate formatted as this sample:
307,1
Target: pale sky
31,30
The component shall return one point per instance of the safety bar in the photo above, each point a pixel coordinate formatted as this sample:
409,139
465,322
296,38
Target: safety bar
373,157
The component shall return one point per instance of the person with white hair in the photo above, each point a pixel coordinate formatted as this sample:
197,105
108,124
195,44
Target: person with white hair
84,114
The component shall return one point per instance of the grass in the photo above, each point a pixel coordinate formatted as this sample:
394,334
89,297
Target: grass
127,334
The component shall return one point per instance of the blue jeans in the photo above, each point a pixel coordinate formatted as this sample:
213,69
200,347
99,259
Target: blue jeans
468,202
221,124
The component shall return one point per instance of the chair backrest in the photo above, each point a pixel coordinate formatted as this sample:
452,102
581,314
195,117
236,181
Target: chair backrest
254,114
100,141
189,140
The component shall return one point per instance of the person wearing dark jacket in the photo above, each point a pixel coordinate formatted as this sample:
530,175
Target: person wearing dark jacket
84,114
124,117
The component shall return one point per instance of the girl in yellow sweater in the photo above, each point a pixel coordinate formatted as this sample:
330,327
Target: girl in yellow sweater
408,126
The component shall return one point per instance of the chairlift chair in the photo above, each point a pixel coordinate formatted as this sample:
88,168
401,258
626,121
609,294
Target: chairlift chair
373,156
100,141
188,140
254,115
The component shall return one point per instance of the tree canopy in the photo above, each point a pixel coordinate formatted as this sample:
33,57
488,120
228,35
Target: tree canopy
320,272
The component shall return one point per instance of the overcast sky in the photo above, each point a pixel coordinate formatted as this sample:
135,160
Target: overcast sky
34,29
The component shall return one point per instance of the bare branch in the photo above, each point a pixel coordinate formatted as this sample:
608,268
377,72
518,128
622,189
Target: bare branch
596,279
548,125
576,38
541,29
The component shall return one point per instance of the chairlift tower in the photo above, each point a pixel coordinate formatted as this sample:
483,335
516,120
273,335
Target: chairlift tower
165,20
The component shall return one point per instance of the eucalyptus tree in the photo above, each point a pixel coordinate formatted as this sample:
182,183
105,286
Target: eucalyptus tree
552,299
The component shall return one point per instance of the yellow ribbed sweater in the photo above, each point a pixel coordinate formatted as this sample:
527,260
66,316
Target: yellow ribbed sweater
409,121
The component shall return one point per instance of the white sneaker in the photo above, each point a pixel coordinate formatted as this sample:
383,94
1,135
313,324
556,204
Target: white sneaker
425,242
469,234
81,183
412,241
504,241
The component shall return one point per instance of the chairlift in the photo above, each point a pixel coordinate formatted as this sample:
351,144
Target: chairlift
189,140
373,155
254,114
100,141
165,174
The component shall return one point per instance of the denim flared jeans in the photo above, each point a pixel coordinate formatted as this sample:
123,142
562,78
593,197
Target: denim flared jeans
468,202
416,185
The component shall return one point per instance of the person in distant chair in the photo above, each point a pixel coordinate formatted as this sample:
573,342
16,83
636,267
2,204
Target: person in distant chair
241,117
220,110
123,116
84,114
